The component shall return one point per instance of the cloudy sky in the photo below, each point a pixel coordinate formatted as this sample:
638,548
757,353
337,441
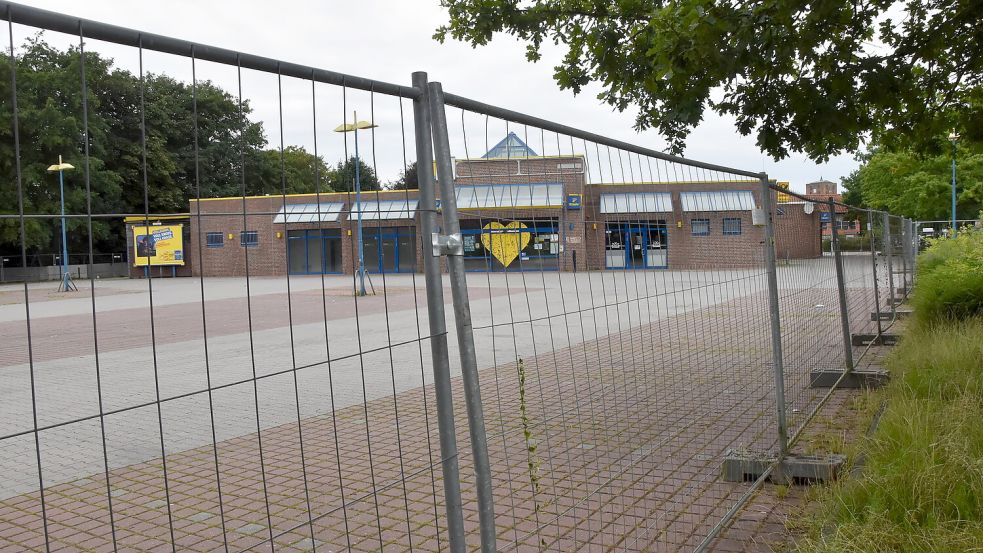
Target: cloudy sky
388,40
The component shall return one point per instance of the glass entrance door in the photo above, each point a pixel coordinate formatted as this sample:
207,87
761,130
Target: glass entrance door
390,249
635,236
314,252
636,246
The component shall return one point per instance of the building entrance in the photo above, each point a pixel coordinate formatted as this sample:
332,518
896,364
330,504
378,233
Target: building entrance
636,246
389,249
314,252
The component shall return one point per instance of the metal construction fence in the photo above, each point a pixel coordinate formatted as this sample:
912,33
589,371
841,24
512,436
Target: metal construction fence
48,266
940,229
600,368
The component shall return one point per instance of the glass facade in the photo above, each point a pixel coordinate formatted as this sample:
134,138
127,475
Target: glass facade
312,252
511,245
636,245
389,249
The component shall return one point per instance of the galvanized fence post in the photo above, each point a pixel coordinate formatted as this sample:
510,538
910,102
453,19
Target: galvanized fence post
915,241
438,326
904,256
454,248
834,245
873,265
774,315
889,253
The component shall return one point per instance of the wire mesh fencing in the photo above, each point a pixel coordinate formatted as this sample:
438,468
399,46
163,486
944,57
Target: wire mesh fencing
618,350
258,404
278,371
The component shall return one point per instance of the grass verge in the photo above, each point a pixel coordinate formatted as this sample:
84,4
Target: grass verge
921,486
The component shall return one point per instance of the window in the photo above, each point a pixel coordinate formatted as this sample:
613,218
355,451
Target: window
700,227
215,239
511,245
732,226
249,238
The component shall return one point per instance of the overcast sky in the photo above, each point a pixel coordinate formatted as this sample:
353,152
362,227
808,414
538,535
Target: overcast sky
388,40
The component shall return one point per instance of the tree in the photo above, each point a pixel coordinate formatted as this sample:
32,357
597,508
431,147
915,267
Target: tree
300,170
50,119
810,77
919,186
50,124
407,179
342,178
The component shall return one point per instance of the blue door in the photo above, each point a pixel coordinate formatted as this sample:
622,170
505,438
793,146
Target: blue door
314,251
389,249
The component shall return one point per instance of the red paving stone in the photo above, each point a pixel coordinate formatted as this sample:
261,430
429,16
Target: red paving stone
629,432
124,329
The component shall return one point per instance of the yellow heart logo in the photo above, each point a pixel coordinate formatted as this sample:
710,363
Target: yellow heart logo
504,242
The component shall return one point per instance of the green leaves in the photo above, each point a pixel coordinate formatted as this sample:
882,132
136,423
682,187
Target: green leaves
51,124
920,186
813,77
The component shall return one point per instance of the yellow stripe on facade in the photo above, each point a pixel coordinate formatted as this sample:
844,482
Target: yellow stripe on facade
304,195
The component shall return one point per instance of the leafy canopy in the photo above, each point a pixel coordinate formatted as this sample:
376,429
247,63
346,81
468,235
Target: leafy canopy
407,179
342,177
810,77
49,101
919,185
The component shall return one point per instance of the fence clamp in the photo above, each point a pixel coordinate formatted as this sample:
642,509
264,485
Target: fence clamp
449,244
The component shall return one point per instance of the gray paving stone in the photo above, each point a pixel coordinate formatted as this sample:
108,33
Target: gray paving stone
250,529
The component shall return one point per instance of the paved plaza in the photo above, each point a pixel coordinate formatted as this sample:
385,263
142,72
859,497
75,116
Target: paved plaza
635,384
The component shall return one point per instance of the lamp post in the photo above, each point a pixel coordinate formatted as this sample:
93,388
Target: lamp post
354,127
66,277
953,137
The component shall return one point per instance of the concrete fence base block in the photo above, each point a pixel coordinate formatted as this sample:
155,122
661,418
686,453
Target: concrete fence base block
795,469
887,315
857,378
874,339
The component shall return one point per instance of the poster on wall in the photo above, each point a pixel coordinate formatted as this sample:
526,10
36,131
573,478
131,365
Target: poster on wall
158,245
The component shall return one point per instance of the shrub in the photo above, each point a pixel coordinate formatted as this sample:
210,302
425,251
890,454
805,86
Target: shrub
859,243
950,279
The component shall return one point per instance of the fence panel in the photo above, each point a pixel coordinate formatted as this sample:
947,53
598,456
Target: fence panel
621,353
634,335
258,404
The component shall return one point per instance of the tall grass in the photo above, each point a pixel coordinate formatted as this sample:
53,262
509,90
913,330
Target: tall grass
921,485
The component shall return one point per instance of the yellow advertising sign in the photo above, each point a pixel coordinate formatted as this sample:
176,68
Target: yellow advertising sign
783,198
158,245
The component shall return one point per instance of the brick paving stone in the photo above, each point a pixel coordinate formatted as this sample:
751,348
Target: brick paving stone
629,429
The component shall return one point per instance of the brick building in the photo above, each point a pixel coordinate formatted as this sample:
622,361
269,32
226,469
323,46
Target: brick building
518,211
822,191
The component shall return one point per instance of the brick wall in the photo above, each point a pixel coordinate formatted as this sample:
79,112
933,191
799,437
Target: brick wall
566,170
797,234
581,231
685,250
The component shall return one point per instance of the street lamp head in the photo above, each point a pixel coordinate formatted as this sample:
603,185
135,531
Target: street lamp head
60,166
359,125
